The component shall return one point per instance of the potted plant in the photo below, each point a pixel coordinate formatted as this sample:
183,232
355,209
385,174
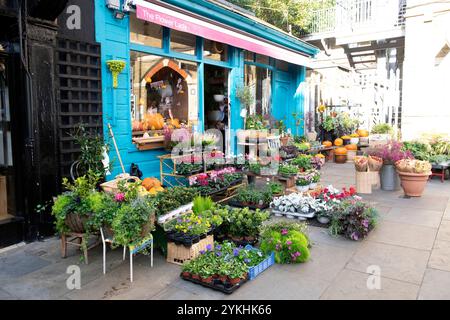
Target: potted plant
303,183
324,217
206,274
315,178
303,162
414,175
237,273
383,131
287,171
391,152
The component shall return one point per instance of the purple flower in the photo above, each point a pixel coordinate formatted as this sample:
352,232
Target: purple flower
365,223
289,242
218,253
284,232
209,247
120,197
354,236
247,260
219,247
235,252
202,251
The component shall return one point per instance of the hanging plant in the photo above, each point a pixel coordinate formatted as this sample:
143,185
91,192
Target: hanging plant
116,67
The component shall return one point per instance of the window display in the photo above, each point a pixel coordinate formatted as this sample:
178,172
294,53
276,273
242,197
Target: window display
260,81
164,94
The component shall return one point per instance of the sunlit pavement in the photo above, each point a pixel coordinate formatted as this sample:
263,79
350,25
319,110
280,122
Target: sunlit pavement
410,248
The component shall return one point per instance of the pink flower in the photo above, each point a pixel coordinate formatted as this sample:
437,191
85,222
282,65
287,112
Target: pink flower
284,232
119,197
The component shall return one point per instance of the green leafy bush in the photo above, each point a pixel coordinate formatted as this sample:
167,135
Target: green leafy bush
383,128
290,246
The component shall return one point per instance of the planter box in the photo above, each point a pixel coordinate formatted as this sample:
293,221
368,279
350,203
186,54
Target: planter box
253,272
294,215
287,182
217,285
179,254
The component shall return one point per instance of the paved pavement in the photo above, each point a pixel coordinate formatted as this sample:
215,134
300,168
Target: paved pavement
411,247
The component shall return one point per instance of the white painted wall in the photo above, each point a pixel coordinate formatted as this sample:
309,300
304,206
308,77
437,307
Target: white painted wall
426,87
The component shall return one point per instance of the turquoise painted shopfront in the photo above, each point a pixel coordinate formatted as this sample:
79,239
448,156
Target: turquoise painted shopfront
182,72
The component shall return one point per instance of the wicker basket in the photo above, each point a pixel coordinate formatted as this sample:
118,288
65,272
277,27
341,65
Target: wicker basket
76,223
179,254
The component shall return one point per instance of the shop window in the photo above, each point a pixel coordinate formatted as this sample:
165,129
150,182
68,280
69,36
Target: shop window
260,82
145,33
164,93
182,42
282,65
215,50
262,59
249,56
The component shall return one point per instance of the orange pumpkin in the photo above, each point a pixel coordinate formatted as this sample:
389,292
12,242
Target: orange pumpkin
175,123
340,151
362,133
154,121
351,147
327,144
338,142
149,183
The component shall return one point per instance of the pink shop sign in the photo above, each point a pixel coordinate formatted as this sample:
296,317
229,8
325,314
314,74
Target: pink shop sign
202,29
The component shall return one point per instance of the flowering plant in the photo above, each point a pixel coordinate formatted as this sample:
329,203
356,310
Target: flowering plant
290,246
215,180
330,198
317,162
391,152
353,219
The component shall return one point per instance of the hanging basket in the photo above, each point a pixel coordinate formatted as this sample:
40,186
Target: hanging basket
116,67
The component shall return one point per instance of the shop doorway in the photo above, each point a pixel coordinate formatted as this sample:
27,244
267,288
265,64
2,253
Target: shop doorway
216,102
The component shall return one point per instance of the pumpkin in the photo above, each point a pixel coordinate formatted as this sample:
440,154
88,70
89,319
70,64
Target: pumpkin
338,142
340,152
154,121
351,147
321,156
149,183
345,137
327,144
362,133
175,123
152,191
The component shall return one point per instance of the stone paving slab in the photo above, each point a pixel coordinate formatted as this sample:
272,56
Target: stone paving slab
444,231
405,235
398,263
435,286
419,217
440,256
352,285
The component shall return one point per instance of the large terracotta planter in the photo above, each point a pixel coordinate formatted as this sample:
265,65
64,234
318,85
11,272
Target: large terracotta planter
413,184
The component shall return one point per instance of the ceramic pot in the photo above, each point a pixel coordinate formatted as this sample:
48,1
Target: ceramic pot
312,186
389,178
340,158
312,136
302,188
413,184
323,220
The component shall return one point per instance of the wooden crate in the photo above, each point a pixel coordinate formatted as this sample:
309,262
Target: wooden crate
287,182
3,198
179,254
112,185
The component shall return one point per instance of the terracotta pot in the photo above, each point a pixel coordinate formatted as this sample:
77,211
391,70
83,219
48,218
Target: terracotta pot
186,274
340,158
223,279
234,281
207,280
413,184
284,140
195,276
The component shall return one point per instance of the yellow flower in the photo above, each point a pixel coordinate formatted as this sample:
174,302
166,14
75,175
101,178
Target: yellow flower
321,108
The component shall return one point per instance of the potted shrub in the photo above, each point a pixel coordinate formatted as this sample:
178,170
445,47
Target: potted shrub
414,175
391,152
353,219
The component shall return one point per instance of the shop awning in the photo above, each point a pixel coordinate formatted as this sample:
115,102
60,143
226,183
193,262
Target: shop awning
186,23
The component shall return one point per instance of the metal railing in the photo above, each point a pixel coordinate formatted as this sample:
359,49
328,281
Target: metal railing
350,15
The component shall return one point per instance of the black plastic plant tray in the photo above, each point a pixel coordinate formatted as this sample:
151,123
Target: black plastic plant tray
190,173
220,238
217,285
238,204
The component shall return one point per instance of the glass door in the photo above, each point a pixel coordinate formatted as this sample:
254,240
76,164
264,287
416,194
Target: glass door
7,209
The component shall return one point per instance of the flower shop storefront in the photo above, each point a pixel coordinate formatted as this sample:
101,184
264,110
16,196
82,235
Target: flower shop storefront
195,65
